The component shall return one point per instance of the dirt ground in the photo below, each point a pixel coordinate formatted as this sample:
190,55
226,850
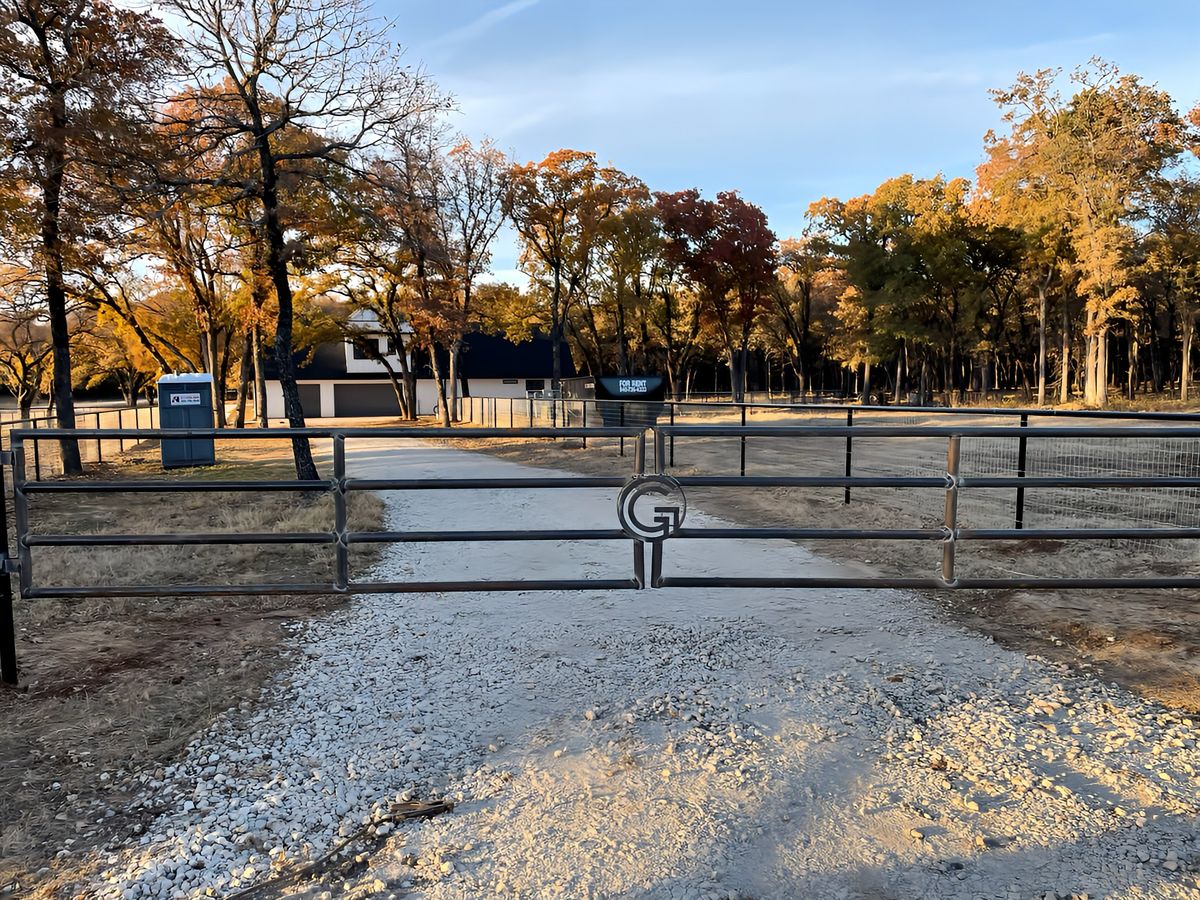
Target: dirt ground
111,686
1147,640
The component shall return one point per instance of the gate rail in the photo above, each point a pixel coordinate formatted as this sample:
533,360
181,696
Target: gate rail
950,533
339,486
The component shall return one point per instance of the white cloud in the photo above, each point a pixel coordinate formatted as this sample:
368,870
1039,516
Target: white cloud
481,25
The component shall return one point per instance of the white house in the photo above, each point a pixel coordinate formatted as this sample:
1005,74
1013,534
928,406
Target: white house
342,380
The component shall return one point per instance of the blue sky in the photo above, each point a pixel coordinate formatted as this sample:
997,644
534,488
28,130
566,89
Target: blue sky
785,102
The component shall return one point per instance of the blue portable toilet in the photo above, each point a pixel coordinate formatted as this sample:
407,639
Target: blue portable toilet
186,401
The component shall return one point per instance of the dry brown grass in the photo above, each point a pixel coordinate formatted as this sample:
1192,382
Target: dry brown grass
111,686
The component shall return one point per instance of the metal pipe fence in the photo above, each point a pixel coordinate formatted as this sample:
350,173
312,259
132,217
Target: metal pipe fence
1007,456
46,456
952,469
950,533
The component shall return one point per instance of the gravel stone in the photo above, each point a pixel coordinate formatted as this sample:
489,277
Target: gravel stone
773,743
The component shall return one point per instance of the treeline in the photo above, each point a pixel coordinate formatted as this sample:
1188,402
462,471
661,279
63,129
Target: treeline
271,175
1069,268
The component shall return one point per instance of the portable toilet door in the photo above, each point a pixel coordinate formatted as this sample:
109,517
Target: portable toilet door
186,401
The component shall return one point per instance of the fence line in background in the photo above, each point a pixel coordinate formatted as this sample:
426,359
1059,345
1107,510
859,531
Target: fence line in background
1158,507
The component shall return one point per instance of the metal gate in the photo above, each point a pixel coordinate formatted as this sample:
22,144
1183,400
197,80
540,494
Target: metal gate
650,513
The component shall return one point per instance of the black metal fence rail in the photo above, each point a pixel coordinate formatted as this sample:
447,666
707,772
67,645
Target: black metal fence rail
47,459
569,412
339,535
949,533
499,411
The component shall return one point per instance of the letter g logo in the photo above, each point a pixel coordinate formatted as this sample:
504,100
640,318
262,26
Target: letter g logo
661,512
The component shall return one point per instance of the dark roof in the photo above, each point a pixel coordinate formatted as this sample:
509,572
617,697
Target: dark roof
494,356
482,356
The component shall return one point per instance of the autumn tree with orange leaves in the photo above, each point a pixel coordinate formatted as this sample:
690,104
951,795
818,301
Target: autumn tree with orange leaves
79,79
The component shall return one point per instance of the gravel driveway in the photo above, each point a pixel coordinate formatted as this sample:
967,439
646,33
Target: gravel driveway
668,743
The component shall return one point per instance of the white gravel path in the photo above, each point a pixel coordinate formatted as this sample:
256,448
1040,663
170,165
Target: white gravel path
669,743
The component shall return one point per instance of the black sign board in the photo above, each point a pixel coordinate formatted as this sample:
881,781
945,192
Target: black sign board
640,399
631,387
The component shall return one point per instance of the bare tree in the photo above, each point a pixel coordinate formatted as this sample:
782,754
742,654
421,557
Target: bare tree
475,183
302,88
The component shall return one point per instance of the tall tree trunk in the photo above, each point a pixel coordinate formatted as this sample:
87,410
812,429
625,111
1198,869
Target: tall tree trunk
743,371
245,371
220,379
439,385
1131,367
277,267
398,387
1102,366
56,295
556,334
455,347
622,340
1089,364
408,403
865,395
1064,362
1185,361
1043,310
260,380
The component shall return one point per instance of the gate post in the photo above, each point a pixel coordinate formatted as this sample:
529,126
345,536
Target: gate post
37,454
8,630
1020,523
341,547
672,408
950,519
743,451
849,451
622,409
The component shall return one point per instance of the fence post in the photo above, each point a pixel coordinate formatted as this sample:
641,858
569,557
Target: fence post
8,630
37,454
1021,448
342,547
585,423
121,424
622,408
99,442
849,451
743,439
672,408
530,411
510,412
950,520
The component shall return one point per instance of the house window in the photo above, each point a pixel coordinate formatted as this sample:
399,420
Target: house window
391,346
359,352
535,384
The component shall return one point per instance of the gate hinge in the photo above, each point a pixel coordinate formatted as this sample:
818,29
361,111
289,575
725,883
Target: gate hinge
6,457
11,565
